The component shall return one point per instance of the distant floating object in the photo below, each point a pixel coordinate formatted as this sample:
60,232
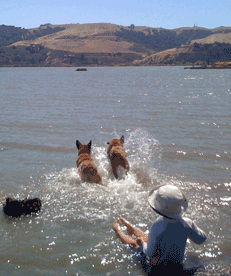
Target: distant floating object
217,65
81,69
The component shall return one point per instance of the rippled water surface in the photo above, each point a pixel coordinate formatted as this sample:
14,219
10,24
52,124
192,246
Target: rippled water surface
177,128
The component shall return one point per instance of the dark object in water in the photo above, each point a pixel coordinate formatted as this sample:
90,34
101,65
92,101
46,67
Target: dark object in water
16,208
81,69
214,66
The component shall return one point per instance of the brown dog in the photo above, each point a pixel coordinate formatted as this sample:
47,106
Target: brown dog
85,164
117,155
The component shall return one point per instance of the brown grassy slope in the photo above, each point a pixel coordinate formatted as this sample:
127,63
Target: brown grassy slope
83,38
163,57
102,41
221,38
111,38
189,54
174,55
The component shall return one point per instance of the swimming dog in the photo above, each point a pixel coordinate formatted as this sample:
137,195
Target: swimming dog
117,155
16,208
87,169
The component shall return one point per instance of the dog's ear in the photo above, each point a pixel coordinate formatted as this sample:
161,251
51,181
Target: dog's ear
9,199
78,144
89,145
122,139
24,201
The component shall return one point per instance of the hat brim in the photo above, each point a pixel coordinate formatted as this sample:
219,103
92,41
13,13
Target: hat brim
154,205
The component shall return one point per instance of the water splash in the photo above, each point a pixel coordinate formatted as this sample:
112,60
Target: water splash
67,200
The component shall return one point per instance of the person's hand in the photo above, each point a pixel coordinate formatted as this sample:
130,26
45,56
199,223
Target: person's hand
139,241
116,226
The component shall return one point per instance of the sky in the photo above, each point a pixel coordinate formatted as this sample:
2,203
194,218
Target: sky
151,13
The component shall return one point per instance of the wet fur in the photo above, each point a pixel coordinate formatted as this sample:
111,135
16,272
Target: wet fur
85,164
17,208
117,155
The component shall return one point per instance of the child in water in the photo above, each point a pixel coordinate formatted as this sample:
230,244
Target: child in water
165,245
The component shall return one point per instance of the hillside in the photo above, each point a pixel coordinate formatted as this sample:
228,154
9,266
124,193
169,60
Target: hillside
105,44
111,38
221,38
11,34
84,38
189,54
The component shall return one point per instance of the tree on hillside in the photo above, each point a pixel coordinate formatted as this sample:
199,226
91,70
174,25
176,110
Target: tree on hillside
46,24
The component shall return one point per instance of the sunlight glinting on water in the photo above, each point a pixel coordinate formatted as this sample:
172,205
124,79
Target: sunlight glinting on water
177,131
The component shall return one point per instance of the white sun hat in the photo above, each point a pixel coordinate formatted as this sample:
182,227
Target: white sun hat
168,201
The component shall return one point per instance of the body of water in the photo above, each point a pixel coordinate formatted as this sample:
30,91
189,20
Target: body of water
177,128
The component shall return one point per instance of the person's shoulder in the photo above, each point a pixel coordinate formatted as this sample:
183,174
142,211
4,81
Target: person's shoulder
186,219
196,234
159,221
158,225
187,222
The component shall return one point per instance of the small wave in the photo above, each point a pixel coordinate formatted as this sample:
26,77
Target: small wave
10,145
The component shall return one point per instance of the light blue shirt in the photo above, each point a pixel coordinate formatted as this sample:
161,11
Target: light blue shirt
170,236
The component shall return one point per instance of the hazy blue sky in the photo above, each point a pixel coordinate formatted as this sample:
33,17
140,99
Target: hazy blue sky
162,13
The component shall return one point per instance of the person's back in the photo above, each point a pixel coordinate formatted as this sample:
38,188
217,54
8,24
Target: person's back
169,237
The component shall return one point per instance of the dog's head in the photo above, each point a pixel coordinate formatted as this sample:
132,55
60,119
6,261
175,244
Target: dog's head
116,142
12,207
16,208
83,148
12,202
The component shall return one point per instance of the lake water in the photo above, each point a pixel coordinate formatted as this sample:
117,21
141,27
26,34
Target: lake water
177,128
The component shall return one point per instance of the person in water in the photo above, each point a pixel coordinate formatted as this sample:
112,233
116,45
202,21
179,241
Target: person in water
165,245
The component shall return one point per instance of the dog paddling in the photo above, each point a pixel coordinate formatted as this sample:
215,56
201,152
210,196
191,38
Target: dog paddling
16,208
